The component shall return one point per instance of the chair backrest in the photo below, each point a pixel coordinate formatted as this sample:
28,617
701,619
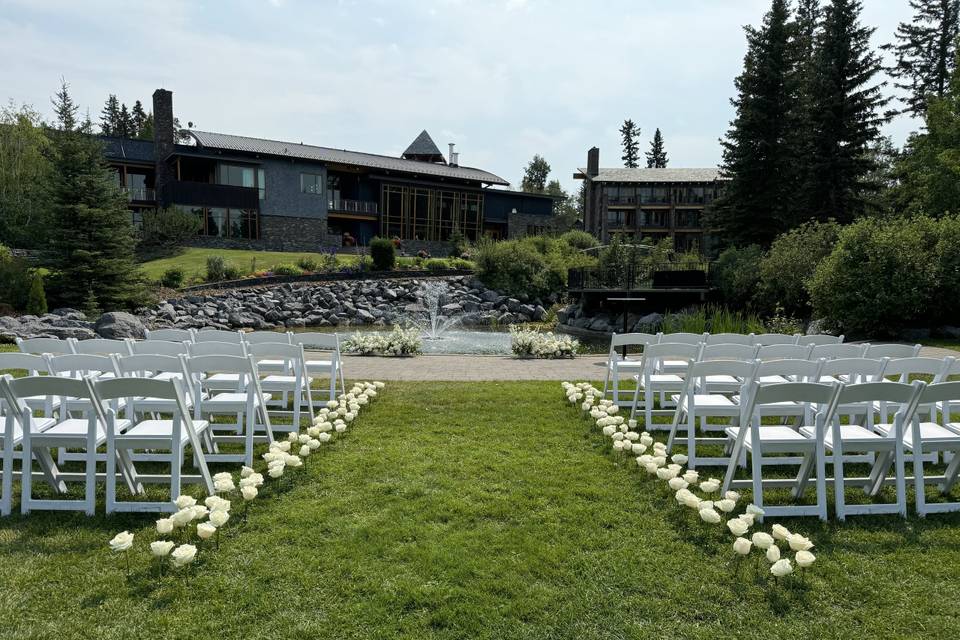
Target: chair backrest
102,347
654,354
81,364
946,392
857,369
633,339
140,365
823,396
15,391
40,346
730,338
729,351
903,368
292,353
785,352
219,364
906,395
195,349
892,351
743,369
171,335
831,351
767,339
118,388
259,337
159,348
317,341
218,335
683,338
820,338
31,362
796,369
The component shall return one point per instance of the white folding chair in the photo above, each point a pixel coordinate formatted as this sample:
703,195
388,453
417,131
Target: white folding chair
697,401
272,337
785,352
218,335
731,338
101,347
892,351
770,339
40,346
907,370
884,442
332,367
159,348
15,414
683,338
171,335
247,402
935,437
171,435
725,383
34,365
837,351
617,361
294,382
218,381
764,443
650,381
818,339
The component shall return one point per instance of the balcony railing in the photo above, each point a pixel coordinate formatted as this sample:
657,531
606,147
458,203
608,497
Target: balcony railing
204,194
139,194
629,277
343,205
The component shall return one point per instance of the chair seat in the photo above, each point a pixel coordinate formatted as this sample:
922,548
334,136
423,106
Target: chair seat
167,375
319,364
628,364
159,429
231,401
707,401
75,430
280,383
773,380
37,425
772,434
930,433
723,379
850,434
232,379
663,379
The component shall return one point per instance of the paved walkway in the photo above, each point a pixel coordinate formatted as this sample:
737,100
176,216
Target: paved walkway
465,367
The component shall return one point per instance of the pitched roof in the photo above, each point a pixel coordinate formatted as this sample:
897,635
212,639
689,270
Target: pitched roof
422,145
127,149
339,156
657,175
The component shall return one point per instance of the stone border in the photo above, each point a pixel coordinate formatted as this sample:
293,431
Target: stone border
327,277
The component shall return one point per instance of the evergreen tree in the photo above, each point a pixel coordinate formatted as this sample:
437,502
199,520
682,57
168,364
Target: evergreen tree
657,156
925,52
564,207
535,175
847,115
138,120
756,157
629,133
36,297
91,245
146,131
110,116
124,123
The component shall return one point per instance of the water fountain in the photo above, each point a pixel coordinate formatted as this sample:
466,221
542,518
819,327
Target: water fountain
440,330
431,323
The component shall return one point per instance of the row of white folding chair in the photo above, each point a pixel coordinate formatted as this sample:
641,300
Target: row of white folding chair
101,426
56,346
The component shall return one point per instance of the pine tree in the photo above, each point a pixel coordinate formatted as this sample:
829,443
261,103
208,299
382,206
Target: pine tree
629,133
756,157
91,244
657,156
847,115
110,116
124,123
138,120
535,175
36,297
146,131
925,52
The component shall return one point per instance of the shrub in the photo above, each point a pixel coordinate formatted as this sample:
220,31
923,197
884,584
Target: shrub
173,278
15,282
307,263
231,272
435,264
880,278
36,297
458,263
166,230
580,240
533,266
789,264
736,275
458,244
383,253
713,319
216,266
286,270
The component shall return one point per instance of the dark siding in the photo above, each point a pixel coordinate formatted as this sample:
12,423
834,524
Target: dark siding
497,206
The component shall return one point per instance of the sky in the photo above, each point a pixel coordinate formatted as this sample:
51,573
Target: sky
503,79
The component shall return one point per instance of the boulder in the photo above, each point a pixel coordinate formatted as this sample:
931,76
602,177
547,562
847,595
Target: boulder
117,325
650,321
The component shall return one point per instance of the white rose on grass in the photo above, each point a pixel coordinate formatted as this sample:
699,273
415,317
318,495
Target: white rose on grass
677,483
246,472
164,526
282,446
679,458
781,568
805,559
223,475
122,541
183,555
216,503
618,445
332,404
340,428
632,424
618,436
185,501
639,448
223,485
206,530
348,417
659,461
303,438
219,518
182,518
664,474
691,501
762,540
773,553
275,472
691,477
651,467
304,451
313,445
799,543
737,526
732,496
710,486
324,437
754,510
726,505
748,518
325,427
632,436
378,384
706,504
313,432
780,532
161,548
199,511
645,439
709,516
248,493
742,546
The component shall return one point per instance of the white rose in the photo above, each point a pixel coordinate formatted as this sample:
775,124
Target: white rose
161,548
164,526
709,516
762,540
246,472
248,493
773,554
219,518
737,526
206,530
742,546
799,543
780,532
182,518
185,501
781,568
726,505
183,555
805,559
122,541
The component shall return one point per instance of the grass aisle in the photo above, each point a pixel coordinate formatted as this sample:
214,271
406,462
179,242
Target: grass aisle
464,510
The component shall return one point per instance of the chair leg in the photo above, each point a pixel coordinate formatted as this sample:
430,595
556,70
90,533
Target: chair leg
111,476
176,463
90,490
6,499
950,474
248,436
838,484
821,464
901,480
26,473
691,436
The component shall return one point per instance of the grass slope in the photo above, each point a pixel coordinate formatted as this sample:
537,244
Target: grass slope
193,260
464,510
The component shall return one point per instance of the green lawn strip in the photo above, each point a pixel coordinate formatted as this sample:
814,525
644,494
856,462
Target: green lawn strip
193,260
465,510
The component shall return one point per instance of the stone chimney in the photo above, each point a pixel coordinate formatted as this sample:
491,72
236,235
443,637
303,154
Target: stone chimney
164,142
593,162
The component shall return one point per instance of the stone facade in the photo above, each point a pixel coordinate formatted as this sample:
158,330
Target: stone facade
279,233
525,224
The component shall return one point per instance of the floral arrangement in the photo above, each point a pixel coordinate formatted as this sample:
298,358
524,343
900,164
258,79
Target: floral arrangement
206,520
710,507
530,343
399,342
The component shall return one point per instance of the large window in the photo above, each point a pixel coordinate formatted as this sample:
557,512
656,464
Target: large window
242,176
416,213
227,223
311,183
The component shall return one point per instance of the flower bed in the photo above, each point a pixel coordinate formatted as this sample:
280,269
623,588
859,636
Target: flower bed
399,342
530,343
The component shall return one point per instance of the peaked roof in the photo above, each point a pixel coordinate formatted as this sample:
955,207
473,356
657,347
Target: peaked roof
423,146
620,174
301,151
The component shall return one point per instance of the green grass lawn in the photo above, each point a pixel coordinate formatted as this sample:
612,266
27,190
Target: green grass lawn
464,510
193,260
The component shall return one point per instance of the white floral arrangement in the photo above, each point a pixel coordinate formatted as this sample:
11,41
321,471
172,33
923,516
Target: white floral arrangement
711,508
207,519
530,343
399,342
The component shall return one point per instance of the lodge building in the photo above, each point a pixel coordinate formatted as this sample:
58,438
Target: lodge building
270,194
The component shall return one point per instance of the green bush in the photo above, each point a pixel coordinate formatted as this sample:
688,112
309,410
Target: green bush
788,265
232,272
383,254
458,244
216,266
535,266
580,239
15,282
172,278
736,275
436,264
457,263
883,277
286,270
163,232
36,297
308,264
715,319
